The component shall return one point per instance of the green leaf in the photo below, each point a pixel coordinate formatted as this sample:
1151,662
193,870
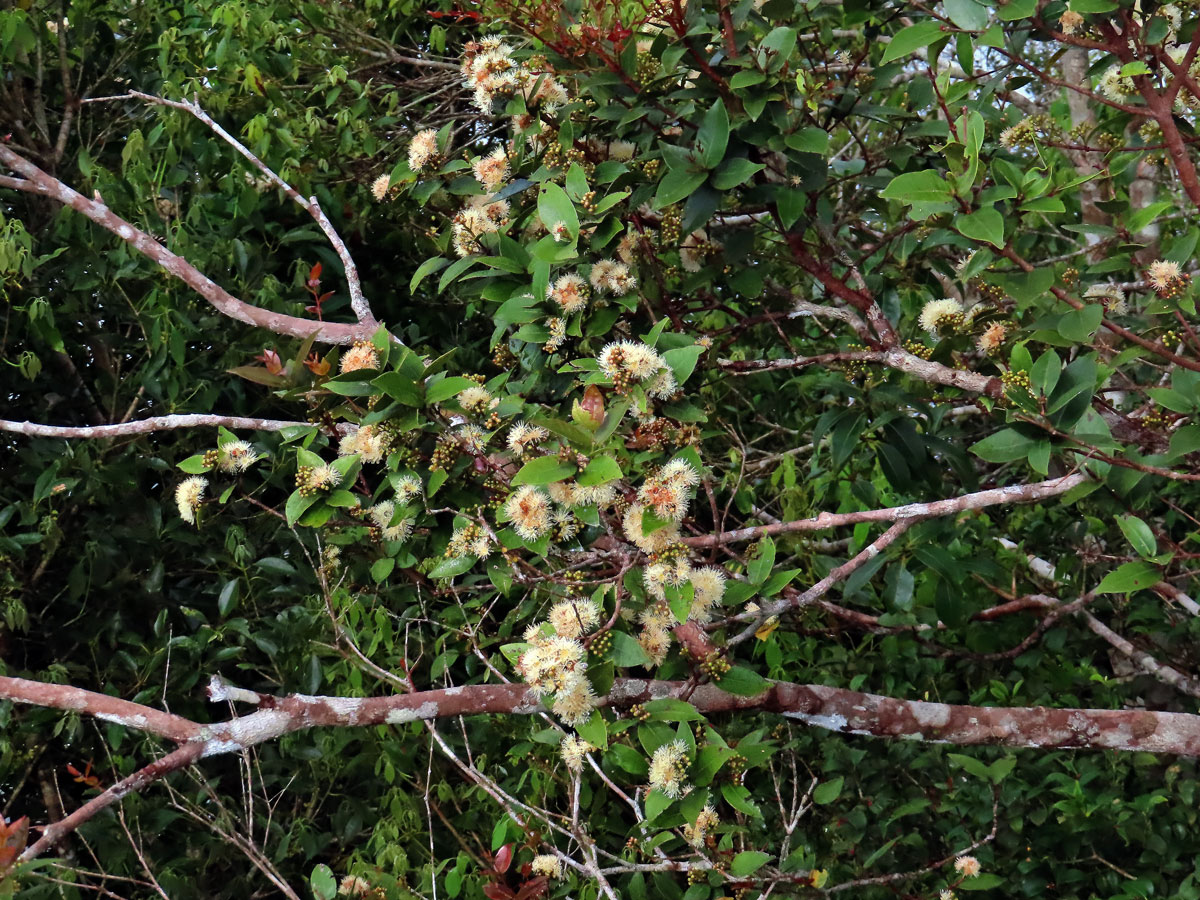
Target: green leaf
760,567
382,568
909,40
1139,535
733,172
747,862
431,265
452,566
400,387
743,682
1006,445
669,710
193,465
1132,576
1080,324
595,730
554,207
1184,441
543,470
828,791
676,185
626,651
682,361
296,506
324,885
984,225
447,388
600,470
969,15
984,882
713,135
738,797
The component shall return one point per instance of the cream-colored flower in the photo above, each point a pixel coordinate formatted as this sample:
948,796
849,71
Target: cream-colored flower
423,150
570,292
1163,274
546,865
611,277
353,886
668,769
523,437
477,400
709,586
382,515
370,442
491,170
188,497
236,456
575,700
967,866
1116,86
574,750
361,356
938,314
529,511
572,618
656,642
406,487
653,542
379,187
1070,22
992,338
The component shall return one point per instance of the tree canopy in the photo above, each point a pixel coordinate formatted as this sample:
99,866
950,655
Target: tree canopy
599,449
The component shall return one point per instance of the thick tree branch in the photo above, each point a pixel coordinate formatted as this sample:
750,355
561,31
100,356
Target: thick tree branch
145,426
38,182
836,709
1016,493
898,359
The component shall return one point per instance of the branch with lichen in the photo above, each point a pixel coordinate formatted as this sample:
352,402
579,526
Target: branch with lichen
146,426
35,181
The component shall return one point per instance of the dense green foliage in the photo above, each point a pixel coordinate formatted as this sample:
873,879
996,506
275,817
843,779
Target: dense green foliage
736,182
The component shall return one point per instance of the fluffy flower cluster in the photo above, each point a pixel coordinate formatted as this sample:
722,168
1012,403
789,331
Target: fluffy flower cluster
470,540
236,456
992,338
477,400
709,586
188,497
423,151
1112,296
491,73
353,886
1116,86
696,249
573,618
523,437
569,293
668,769
937,315
558,665
635,361
668,490
1165,276
361,356
383,516
482,215
653,542
547,865
574,750
370,442
611,277
706,820
491,170
568,493
967,866
380,186
406,487
528,509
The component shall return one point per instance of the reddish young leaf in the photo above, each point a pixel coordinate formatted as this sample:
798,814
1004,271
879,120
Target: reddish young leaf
504,858
13,838
498,892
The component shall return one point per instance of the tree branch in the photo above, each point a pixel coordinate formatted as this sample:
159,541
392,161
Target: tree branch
1016,493
38,182
358,302
145,426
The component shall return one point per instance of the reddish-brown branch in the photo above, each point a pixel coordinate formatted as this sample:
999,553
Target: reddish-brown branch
827,707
